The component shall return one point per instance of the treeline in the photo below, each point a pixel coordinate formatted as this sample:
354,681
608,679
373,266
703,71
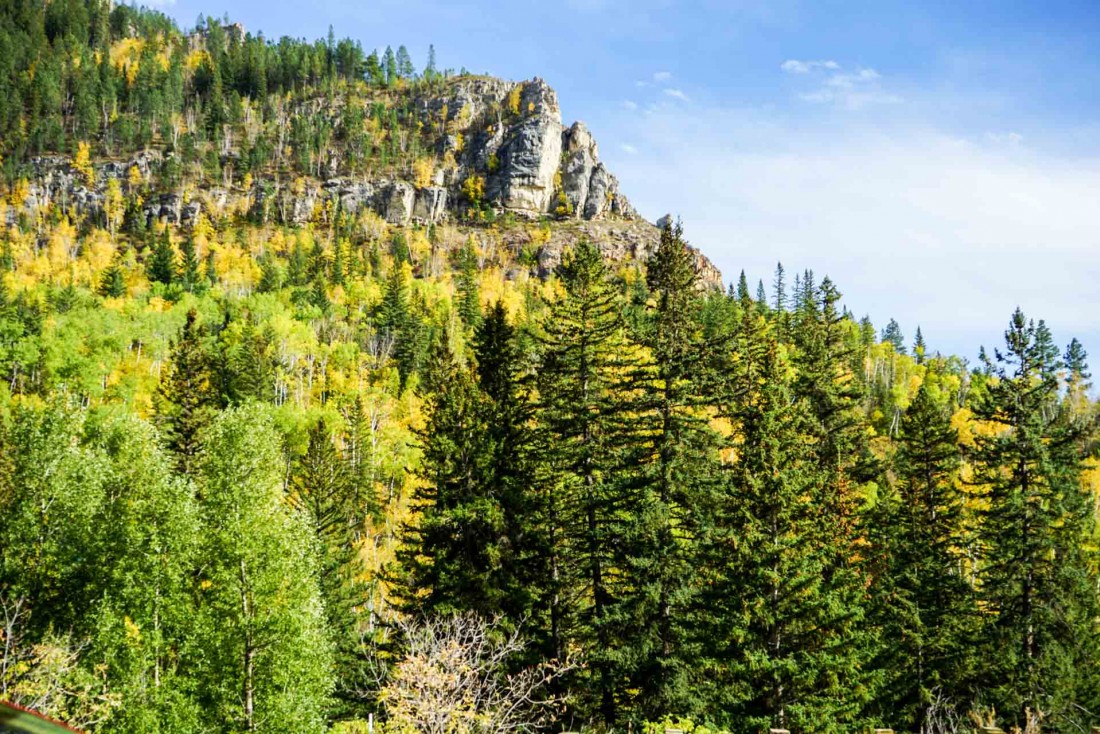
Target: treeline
122,78
689,491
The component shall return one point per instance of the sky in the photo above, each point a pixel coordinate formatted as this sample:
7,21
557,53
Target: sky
940,161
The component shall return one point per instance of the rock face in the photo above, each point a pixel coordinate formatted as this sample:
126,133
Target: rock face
591,190
530,153
506,136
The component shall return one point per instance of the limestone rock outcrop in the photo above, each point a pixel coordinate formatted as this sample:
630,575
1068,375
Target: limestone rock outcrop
504,137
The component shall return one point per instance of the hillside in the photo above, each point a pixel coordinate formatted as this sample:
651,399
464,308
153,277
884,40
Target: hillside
334,391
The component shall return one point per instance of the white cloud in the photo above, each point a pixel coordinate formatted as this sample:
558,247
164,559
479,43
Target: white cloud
1011,139
676,94
849,90
662,76
630,105
794,66
628,148
912,223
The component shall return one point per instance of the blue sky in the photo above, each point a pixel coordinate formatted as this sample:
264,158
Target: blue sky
940,161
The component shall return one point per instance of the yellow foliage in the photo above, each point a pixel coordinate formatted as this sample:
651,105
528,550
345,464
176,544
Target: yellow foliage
124,56
423,168
113,204
19,193
133,178
513,99
82,163
473,188
460,142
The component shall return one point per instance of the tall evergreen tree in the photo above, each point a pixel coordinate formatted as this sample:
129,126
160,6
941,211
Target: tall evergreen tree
453,557
162,262
925,607
1037,577
187,397
112,284
190,274
778,641
467,290
681,471
323,488
592,489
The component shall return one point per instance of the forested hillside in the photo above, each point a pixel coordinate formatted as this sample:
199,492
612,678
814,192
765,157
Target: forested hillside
333,387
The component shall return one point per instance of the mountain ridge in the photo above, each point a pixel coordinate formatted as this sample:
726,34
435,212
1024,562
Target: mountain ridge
495,151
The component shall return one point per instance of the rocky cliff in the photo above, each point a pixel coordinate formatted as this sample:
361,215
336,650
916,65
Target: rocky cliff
502,151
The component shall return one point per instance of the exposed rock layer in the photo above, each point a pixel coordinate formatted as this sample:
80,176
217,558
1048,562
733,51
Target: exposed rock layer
509,136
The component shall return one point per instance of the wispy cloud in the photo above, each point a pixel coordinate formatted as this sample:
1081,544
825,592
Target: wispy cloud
676,94
850,90
629,104
794,66
662,76
628,149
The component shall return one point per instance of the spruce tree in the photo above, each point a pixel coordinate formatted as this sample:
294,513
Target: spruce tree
187,397
190,275
919,347
1037,577
925,608
323,489
510,469
778,624
467,290
681,470
892,335
162,261
112,284
591,490
452,559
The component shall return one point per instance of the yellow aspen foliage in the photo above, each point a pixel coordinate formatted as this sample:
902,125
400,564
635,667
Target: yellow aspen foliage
133,178
473,188
114,206
423,168
82,163
19,193
513,99
460,142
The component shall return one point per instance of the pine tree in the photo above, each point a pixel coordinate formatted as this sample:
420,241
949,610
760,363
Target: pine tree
925,608
1037,577
162,262
323,489
919,347
779,289
682,470
510,469
389,64
778,628
453,557
585,416
742,287
190,276
375,73
892,335
187,398
112,284
467,290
